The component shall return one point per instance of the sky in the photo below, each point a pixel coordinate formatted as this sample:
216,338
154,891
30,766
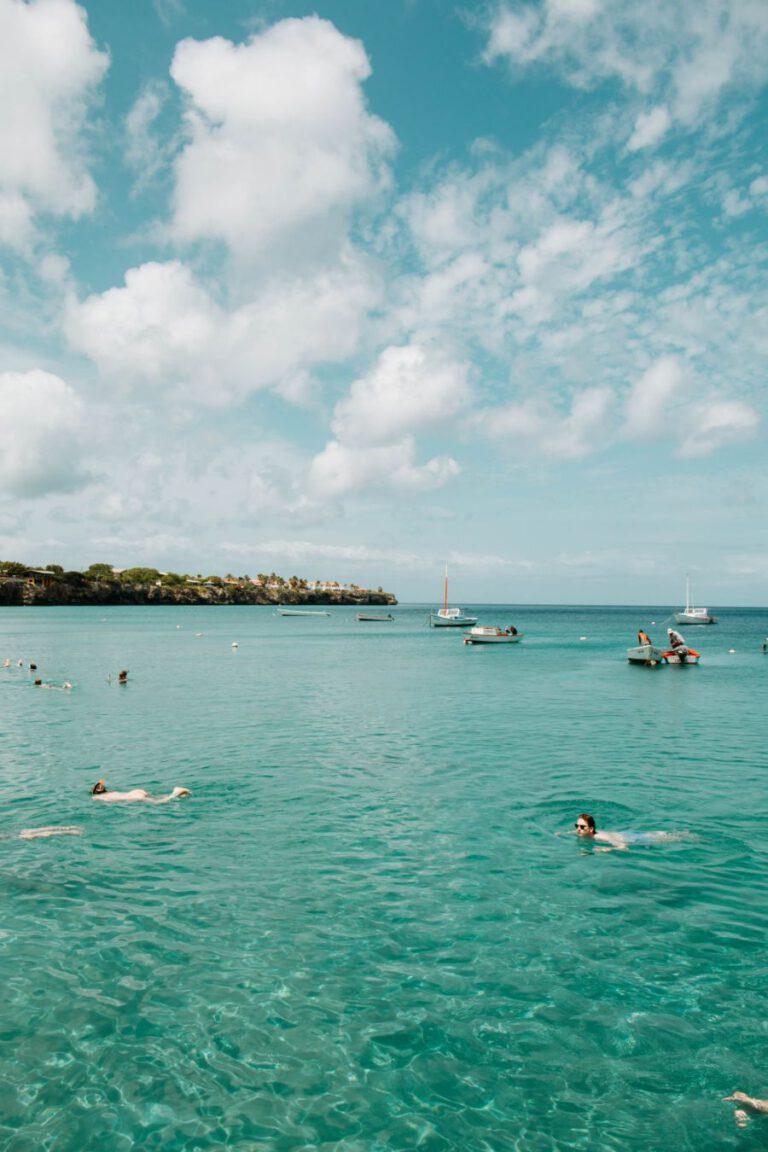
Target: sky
360,288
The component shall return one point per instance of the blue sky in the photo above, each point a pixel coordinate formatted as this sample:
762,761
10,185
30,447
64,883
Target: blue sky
357,289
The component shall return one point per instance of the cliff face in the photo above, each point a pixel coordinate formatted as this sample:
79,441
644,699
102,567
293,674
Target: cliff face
20,592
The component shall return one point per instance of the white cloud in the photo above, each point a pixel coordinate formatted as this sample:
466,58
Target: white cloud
650,127
649,398
49,67
409,388
41,426
718,422
341,469
145,151
281,146
164,329
647,47
541,429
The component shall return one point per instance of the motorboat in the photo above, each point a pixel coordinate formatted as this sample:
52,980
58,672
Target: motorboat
371,617
684,656
647,654
491,634
690,614
301,612
446,617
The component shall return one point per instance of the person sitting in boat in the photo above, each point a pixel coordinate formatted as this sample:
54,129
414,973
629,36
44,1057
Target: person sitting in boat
677,644
511,630
643,638
101,792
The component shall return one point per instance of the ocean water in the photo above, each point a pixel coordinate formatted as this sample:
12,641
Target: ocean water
370,929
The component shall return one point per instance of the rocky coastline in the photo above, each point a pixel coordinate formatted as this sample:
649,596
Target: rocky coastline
42,587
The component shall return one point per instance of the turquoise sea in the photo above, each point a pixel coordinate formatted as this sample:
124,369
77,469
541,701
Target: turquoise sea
363,932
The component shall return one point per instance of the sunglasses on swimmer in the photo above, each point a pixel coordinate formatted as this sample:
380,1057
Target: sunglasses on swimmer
580,824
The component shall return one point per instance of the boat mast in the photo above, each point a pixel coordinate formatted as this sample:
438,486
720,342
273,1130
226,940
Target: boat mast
445,590
688,604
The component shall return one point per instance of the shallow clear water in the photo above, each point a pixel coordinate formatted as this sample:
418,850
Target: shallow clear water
362,932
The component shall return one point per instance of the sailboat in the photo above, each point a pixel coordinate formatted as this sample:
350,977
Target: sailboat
446,617
691,615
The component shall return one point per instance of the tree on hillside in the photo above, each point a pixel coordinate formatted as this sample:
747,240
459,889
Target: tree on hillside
140,576
11,568
100,572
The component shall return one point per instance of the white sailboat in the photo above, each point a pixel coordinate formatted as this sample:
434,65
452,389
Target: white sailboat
446,617
691,615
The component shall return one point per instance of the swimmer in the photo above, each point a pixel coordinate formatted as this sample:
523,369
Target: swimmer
585,827
122,677
54,830
101,792
750,1104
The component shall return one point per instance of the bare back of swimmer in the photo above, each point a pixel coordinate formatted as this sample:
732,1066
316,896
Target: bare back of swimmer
101,792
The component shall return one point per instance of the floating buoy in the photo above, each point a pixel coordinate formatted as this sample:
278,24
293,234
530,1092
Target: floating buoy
235,644
178,625
198,633
731,651
582,637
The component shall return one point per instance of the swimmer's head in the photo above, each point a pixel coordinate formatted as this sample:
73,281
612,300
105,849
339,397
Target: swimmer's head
98,788
38,683
585,824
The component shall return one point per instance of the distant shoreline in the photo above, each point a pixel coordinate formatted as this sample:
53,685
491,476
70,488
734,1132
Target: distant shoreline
51,589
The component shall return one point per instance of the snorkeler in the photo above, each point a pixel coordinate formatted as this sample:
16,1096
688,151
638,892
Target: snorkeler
101,792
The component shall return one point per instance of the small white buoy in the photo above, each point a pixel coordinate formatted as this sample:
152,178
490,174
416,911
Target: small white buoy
235,644
652,623
198,633
178,625
731,651
582,637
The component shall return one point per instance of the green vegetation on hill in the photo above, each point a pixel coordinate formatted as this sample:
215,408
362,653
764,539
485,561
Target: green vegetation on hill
103,584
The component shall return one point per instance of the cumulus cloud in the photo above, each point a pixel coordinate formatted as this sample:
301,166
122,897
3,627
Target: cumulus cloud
341,469
164,329
41,427
49,68
649,398
281,146
646,47
540,428
718,422
408,388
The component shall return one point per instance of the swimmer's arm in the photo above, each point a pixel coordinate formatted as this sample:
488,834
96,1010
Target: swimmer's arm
614,839
749,1101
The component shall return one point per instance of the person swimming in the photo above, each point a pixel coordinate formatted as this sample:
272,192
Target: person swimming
53,830
101,792
585,826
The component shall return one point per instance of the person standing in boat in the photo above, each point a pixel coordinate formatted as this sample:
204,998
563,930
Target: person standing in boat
677,644
643,638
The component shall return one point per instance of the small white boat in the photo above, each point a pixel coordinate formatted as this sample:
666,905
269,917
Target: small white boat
371,617
647,654
446,617
486,634
301,612
691,615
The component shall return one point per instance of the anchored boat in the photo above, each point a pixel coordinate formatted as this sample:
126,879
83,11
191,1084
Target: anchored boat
446,617
486,634
691,615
